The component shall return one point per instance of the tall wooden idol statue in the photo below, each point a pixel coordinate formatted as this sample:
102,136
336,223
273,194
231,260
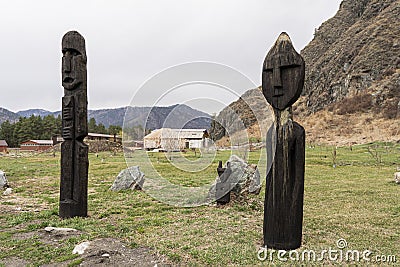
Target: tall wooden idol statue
74,152
282,84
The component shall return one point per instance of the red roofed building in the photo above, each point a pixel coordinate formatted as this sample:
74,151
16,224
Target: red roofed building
3,146
36,145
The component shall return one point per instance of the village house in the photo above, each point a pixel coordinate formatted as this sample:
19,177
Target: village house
36,145
176,139
92,136
3,146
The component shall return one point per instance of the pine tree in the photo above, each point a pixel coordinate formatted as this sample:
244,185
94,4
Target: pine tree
92,126
113,129
7,133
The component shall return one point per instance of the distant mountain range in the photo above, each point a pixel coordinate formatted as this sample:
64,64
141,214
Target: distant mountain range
175,116
36,112
8,115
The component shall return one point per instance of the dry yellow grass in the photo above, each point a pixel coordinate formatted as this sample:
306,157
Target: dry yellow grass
325,127
328,127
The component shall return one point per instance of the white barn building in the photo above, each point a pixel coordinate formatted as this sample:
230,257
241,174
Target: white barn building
176,139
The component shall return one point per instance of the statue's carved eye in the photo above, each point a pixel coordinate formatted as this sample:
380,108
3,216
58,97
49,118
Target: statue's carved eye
290,66
75,53
71,52
269,70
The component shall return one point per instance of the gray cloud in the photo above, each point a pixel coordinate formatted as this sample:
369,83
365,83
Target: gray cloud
130,41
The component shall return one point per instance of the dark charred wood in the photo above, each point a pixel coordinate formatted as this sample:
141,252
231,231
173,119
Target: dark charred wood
282,84
74,153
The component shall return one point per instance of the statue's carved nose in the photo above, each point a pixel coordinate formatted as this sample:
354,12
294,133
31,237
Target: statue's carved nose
277,79
67,64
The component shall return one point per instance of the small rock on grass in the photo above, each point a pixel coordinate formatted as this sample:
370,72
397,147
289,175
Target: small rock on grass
7,192
80,248
63,230
397,177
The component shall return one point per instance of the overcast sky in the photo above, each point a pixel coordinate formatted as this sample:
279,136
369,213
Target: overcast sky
130,41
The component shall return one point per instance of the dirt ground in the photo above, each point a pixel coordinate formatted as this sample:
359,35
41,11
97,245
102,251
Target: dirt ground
101,252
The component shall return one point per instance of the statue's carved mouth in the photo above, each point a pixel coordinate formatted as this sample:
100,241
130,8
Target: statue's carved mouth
68,80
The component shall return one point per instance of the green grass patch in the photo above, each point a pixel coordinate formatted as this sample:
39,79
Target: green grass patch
357,200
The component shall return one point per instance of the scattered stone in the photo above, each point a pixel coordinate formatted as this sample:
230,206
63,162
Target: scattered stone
61,230
3,180
397,177
130,178
7,192
81,248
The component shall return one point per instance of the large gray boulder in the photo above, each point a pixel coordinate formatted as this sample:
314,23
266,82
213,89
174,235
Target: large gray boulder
3,180
244,178
130,178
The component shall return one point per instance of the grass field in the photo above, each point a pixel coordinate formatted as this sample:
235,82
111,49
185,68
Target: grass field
356,201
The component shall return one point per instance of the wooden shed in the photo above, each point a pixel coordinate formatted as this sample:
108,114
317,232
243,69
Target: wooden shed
3,146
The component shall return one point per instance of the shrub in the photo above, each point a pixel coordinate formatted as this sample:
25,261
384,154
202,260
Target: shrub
389,111
357,103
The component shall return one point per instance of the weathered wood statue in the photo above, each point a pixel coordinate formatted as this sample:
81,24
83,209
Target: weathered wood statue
74,152
282,84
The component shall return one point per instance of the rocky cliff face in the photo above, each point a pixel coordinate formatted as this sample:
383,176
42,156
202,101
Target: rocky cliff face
250,109
354,53
352,86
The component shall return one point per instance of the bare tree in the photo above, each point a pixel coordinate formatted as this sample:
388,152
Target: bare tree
170,141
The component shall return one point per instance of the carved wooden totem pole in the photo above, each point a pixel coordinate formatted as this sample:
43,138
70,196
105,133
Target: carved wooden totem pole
282,84
74,152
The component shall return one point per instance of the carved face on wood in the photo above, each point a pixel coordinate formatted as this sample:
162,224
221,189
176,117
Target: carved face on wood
283,74
73,61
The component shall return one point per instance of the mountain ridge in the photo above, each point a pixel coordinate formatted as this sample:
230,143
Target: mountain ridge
355,52
6,114
151,117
